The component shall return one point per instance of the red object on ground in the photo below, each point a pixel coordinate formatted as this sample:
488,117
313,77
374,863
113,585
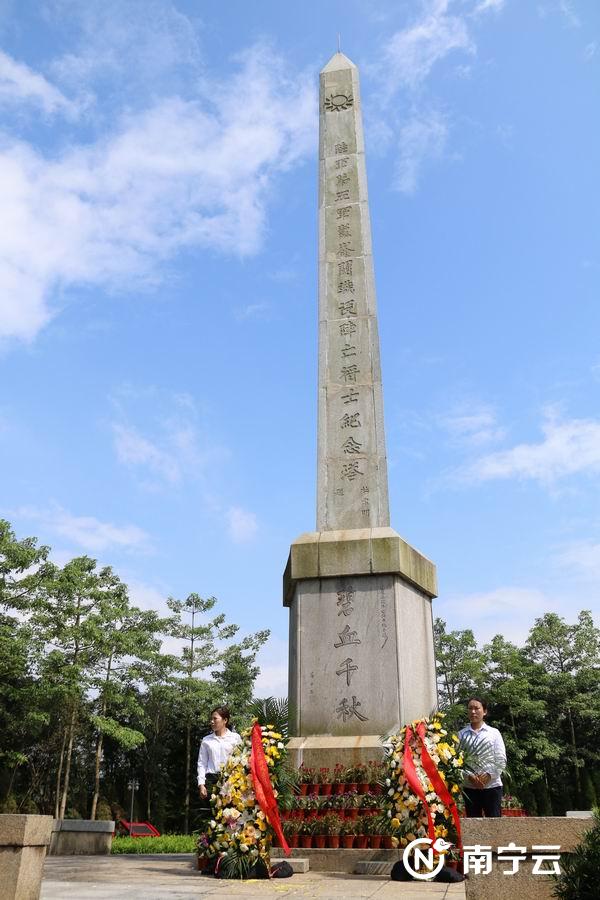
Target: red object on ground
139,829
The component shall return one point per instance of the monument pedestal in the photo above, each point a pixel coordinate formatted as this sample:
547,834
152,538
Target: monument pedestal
361,642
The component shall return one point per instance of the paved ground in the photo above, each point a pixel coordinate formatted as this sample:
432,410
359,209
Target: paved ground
173,877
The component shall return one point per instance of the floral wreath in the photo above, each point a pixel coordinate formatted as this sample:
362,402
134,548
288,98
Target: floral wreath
244,805
425,770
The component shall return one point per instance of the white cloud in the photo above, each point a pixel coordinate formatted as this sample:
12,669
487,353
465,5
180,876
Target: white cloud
273,661
411,53
509,611
423,137
243,525
184,172
582,557
130,42
147,596
133,449
408,58
472,426
252,311
590,51
19,84
87,532
569,447
566,8
488,5
170,447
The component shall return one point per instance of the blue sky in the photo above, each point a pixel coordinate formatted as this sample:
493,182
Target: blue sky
158,258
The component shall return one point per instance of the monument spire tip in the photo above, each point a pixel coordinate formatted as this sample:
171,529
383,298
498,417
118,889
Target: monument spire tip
339,60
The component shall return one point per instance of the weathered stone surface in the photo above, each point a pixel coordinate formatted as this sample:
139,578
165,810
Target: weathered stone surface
358,551
362,658
23,842
361,636
74,837
299,864
25,831
340,860
352,472
523,832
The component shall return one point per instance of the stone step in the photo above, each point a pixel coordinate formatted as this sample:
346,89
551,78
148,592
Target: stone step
373,867
300,864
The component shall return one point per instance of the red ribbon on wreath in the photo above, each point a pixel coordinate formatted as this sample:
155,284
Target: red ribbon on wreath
438,783
410,773
434,776
263,789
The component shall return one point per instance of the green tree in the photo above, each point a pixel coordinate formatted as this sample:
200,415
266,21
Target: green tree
460,669
569,654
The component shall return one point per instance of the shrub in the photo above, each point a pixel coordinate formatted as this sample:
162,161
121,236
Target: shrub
581,869
166,843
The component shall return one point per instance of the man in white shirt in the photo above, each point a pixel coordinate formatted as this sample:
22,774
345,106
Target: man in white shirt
483,793
215,749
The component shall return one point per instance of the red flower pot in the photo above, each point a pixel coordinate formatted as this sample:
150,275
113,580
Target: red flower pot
326,790
306,841
333,841
319,841
348,841
351,786
303,789
363,787
375,841
292,840
360,841
339,787
386,842
351,813
376,789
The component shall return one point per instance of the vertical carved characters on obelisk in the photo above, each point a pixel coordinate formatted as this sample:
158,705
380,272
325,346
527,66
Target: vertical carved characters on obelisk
352,486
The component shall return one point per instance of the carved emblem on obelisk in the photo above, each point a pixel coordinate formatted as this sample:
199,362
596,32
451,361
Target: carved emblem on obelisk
338,102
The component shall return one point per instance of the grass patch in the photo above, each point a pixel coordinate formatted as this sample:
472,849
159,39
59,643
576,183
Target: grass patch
166,843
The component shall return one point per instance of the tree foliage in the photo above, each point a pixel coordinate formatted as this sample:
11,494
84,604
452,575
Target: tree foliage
545,699
89,702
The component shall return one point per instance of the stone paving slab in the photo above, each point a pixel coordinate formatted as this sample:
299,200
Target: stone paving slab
174,877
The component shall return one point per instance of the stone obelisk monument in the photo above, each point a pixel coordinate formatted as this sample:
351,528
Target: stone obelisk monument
361,637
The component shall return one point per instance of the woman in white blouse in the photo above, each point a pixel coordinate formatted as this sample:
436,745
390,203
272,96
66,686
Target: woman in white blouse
215,749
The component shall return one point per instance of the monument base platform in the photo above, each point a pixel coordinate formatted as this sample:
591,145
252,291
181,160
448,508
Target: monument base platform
326,751
362,660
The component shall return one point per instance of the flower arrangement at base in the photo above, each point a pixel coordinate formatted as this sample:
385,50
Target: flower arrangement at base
244,807
425,770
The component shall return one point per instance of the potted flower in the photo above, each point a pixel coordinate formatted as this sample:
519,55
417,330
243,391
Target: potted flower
511,806
376,775
332,825
311,806
323,779
351,805
362,832
376,833
291,831
337,778
347,833
306,777
387,833
368,804
362,778
350,779
306,833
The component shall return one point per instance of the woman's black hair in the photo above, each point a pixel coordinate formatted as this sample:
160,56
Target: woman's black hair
223,711
479,700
